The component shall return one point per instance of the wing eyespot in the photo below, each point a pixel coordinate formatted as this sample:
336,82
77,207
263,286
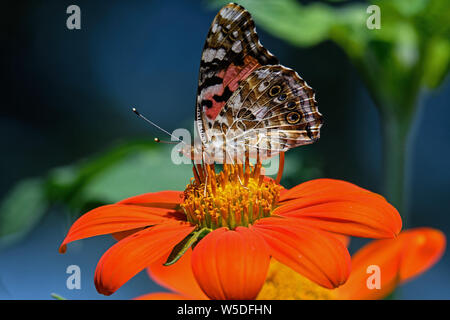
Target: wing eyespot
291,105
275,90
293,117
282,97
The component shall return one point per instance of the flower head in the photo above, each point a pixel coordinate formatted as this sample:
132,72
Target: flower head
230,224
224,200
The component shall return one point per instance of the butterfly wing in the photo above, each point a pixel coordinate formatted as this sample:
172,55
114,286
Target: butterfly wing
231,53
271,111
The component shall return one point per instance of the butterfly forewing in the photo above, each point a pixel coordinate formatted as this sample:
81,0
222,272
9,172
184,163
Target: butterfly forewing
232,51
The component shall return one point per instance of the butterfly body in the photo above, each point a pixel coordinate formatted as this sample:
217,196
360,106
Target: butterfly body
247,103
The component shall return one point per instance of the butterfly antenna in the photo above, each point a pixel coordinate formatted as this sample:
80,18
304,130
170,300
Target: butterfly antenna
155,125
166,142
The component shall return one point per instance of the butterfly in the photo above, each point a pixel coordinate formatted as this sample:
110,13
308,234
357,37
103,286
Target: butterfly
247,103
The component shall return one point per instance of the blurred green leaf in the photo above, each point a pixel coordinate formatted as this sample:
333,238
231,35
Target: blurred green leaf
119,172
437,62
410,50
66,183
57,296
124,171
140,172
409,8
299,25
21,209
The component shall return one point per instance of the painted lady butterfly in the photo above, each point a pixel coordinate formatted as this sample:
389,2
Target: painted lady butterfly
246,101
248,104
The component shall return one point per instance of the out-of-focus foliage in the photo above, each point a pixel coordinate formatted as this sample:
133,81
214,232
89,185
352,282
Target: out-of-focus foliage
408,55
121,172
21,209
409,51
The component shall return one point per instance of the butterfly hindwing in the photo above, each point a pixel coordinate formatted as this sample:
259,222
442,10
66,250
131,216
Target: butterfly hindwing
272,109
231,53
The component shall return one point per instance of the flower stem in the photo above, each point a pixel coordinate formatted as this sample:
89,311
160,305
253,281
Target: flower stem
396,151
398,113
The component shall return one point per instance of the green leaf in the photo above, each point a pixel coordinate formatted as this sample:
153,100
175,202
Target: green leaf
65,184
124,171
287,19
409,8
21,209
139,172
411,49
57,296
437,62
185,244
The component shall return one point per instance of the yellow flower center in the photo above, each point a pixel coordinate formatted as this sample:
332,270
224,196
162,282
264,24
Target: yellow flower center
234,197
282,283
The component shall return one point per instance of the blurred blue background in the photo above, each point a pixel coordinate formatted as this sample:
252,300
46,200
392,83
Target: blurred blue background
67,95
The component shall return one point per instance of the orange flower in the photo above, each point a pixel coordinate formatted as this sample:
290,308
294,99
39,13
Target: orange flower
399,260
235,221
412,253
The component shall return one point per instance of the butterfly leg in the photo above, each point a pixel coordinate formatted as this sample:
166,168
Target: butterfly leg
208,170
238,175
280,168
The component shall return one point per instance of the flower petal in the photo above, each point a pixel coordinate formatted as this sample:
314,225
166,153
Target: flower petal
424,247
231,264
320,187
123,234
177,277
114,218
345,240
360,214
134,253
315,254
413,252
377,253
162,199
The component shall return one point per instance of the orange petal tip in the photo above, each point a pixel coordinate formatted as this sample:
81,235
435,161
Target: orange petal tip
62,248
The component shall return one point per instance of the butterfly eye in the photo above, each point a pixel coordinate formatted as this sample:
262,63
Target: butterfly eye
276,89
282,97
293,117
291,105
